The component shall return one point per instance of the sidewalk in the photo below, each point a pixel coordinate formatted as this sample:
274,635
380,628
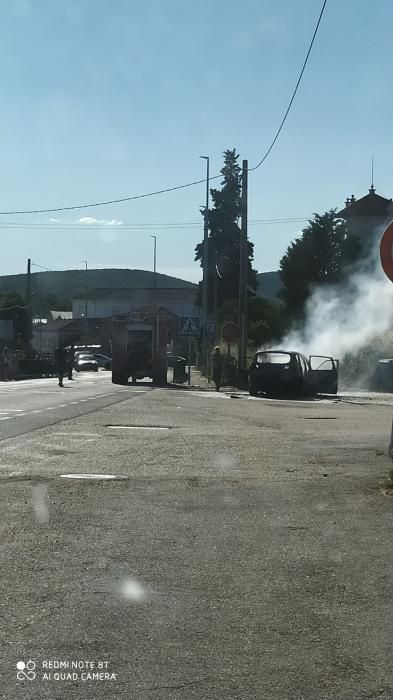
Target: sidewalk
199,381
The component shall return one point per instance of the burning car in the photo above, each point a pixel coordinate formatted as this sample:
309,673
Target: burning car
286,372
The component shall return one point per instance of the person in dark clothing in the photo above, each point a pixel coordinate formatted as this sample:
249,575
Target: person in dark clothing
61,363
70,361
218,366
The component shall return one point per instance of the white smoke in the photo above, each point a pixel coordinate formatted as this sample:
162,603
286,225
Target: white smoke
343,318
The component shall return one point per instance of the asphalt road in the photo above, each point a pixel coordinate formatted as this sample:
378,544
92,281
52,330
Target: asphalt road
31,404
242,551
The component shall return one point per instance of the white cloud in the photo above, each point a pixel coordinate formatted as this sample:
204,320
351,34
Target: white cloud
90,220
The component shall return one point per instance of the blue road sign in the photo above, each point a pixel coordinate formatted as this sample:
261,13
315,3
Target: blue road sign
190,326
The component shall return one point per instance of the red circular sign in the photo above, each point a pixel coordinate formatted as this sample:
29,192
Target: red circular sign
230,332
386,251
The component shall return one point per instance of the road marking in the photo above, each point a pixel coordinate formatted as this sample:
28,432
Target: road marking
136,427
7,418
37,410
89,476
16,410
78,435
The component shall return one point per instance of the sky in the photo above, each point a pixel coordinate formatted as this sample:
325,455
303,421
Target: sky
102,100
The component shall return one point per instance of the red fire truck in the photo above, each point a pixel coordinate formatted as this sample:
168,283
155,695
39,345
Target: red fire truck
139,343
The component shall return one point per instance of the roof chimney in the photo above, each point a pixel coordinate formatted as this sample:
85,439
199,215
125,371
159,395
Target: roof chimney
353,200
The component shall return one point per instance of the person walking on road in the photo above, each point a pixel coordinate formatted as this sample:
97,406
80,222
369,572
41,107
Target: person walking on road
70,362
218,366
61,364
6,365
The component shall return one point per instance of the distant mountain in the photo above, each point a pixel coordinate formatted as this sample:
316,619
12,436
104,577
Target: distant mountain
269,284
63,285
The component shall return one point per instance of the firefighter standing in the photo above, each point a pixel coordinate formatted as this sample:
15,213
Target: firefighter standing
61,363
218,366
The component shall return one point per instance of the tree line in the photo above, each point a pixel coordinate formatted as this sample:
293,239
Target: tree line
320,255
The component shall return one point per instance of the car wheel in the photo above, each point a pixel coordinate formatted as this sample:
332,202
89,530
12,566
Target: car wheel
252,390
95,369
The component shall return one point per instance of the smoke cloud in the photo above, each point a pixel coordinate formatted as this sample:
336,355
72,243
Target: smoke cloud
343,318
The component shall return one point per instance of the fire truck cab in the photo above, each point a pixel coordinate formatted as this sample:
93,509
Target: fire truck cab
139,348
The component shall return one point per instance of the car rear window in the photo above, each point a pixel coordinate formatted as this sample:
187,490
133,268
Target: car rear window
273,358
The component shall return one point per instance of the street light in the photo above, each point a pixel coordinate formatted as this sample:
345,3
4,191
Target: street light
205,265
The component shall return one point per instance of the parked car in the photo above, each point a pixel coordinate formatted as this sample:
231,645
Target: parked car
174,359
103,361
286,372
85,362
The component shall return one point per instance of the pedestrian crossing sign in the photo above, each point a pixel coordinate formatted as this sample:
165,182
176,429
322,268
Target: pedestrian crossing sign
190,326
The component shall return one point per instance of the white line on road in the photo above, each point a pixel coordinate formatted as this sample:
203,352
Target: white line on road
136,427
78,435
7,418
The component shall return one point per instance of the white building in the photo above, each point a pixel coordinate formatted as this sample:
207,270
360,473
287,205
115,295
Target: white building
104,303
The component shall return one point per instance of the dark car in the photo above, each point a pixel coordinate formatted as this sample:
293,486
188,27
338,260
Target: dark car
103,361
85,362
174,359
285,372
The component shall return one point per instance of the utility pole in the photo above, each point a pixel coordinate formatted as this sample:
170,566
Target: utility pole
243,275
154,272
155,309
29,314
205,266
86,319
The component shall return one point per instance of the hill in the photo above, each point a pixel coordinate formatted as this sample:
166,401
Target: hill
56,289
269,284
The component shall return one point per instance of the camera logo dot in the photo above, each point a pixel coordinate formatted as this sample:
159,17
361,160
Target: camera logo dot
26,670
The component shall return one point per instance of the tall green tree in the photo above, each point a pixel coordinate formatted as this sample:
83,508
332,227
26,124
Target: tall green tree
320,256
224,236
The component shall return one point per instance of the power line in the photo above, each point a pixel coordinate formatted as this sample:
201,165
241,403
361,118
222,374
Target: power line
278,132
120,200
134,227
109,201
82,281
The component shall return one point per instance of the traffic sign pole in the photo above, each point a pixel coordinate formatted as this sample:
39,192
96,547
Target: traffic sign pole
189,362
386,253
